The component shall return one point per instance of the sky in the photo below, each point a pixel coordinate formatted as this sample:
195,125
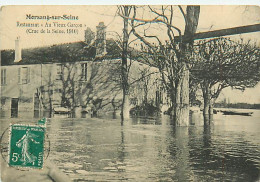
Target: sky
211,18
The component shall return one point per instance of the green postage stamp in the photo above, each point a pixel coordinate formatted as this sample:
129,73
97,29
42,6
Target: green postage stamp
26,146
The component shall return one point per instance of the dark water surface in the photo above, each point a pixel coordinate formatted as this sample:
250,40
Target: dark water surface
101,149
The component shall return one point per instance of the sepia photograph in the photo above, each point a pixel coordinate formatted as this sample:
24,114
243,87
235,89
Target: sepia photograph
130,93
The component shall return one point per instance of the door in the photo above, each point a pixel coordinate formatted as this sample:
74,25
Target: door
14,108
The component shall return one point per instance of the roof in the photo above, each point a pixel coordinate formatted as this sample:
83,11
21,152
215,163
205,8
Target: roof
68,52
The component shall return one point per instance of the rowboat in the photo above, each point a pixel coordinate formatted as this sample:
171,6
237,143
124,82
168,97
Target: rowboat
237,113
61,110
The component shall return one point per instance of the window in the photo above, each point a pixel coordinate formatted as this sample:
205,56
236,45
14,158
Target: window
84,72
3,76
158,98
133,101
24,75
59,72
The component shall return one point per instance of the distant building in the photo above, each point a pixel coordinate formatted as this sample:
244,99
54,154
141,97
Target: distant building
76,75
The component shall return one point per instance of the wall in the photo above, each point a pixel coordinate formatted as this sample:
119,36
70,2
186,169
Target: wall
103,82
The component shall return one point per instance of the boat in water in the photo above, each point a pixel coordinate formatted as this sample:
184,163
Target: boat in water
61,110
237,113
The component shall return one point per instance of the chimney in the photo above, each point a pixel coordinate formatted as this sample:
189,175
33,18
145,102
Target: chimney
18,50
101,39
89,36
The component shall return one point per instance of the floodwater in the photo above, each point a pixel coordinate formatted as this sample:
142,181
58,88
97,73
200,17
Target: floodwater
100,149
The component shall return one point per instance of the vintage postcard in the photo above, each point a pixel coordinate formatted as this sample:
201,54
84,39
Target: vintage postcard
130,93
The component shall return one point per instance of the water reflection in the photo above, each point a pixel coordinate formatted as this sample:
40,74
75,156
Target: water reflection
152,149
212,160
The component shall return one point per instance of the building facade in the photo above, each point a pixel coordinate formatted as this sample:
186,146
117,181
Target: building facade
34,87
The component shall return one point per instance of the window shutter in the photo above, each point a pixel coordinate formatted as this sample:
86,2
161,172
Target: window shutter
82,71
19,75
2,74
5,76
28,75
86,71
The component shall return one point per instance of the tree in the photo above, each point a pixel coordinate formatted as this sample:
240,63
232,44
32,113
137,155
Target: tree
170,57
220,63
125,109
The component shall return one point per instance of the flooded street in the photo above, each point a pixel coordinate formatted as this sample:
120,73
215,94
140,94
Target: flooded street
152,149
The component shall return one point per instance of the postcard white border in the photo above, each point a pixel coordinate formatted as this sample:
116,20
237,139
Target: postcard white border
133,2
